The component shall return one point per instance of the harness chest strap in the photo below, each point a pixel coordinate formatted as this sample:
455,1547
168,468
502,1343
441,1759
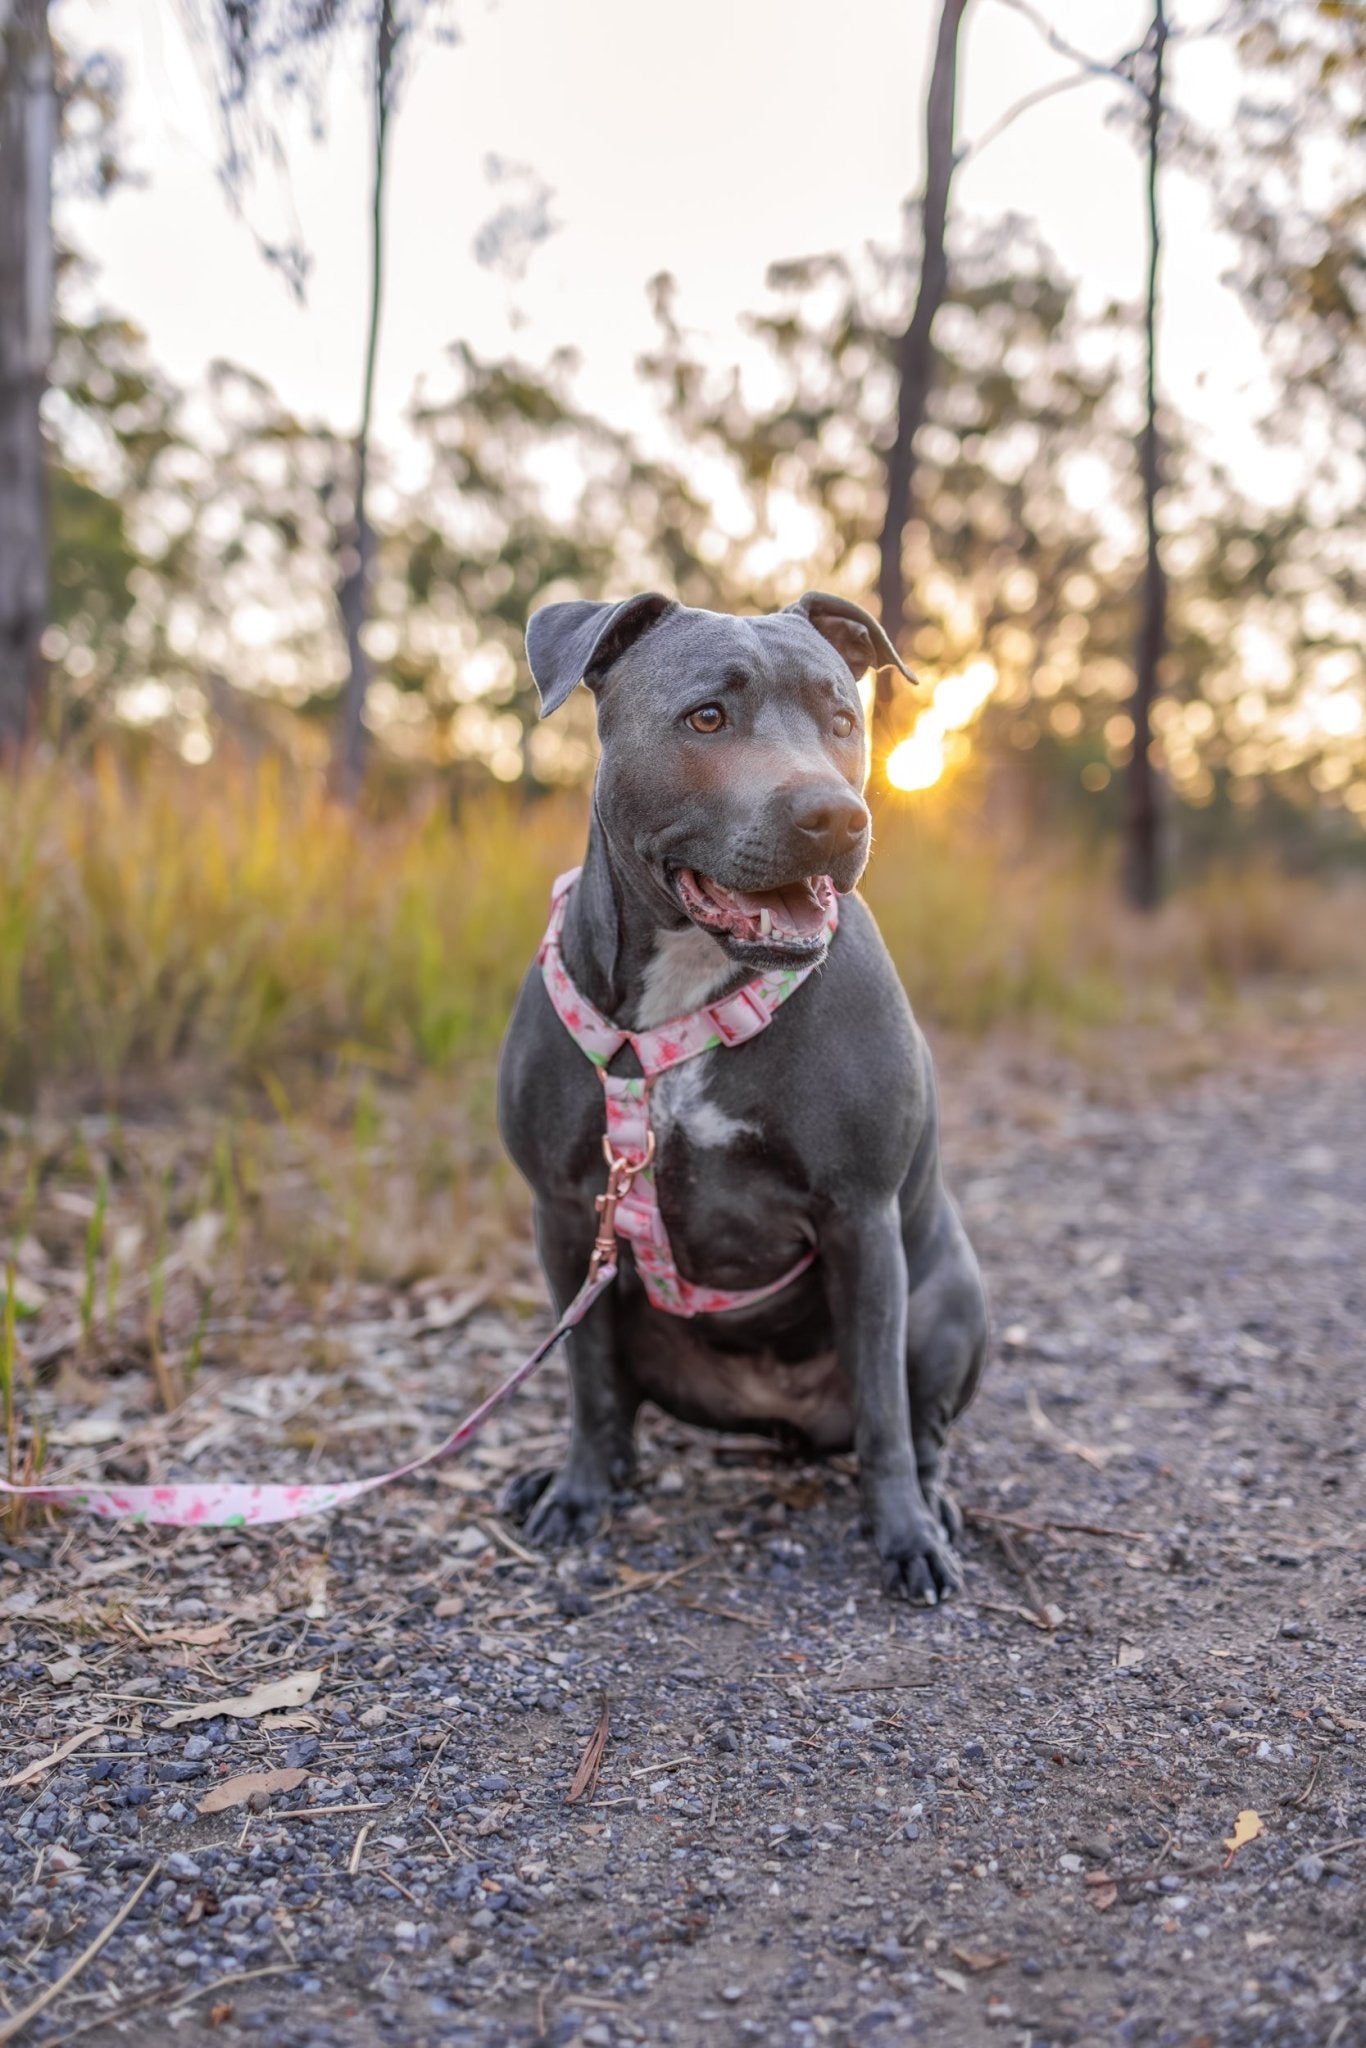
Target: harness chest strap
630,1138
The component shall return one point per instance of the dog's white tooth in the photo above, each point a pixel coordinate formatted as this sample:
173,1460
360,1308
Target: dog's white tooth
765,922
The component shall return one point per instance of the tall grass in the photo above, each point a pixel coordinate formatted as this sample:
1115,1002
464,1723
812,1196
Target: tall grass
238,920
234,921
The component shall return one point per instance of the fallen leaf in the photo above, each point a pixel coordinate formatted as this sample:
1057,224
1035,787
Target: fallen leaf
45,1763
952,1978
203,1633
87,1430
1104,1895
977,1960
65,1669
236,1791
586,1776
294,1691
220,2014
309,1721
1246,1828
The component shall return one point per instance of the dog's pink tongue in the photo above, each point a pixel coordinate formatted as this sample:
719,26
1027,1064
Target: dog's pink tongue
795,911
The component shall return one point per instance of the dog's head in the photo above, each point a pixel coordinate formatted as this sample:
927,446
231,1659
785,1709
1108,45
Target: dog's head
733,757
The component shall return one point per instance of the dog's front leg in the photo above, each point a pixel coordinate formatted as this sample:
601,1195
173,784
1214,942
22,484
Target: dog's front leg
566,1507
865,1272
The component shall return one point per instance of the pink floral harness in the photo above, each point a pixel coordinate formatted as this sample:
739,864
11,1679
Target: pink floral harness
630,1135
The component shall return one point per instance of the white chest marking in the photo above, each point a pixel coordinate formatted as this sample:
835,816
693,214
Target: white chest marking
679,1101
687,969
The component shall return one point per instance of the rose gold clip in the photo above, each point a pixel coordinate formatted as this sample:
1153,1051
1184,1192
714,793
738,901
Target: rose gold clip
620,1174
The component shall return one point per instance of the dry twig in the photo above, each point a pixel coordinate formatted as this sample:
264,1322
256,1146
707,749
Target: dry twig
586,1776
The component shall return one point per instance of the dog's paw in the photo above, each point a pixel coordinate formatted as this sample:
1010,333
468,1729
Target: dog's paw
918,1563
521,1494
943,1504
554,1511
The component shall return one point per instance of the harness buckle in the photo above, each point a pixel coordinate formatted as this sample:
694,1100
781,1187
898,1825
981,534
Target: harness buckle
621,1172
739,1017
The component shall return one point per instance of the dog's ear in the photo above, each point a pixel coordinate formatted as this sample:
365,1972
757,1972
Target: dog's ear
851,631
567,644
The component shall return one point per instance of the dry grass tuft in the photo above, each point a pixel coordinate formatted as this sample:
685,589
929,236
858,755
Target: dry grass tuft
236,922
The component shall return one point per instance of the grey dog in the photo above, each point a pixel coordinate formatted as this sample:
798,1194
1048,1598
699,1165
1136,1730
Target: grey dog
730,783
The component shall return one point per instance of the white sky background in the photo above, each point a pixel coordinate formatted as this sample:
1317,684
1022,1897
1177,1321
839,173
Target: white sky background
708,140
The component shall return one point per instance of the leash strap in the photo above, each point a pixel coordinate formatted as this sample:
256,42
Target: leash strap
235,1504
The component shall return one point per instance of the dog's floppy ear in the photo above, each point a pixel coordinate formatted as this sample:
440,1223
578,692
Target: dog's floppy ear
567,644
851,631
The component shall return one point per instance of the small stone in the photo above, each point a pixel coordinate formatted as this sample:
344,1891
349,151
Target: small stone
62,1859
376,1716
405,1931
1311,1869
181,1866
732,1993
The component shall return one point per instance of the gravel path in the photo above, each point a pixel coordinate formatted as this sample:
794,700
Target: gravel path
818,1817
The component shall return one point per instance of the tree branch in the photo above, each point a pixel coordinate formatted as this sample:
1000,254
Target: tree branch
1096,67
1012,114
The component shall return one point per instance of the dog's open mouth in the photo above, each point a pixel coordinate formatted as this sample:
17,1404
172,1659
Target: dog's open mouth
791,918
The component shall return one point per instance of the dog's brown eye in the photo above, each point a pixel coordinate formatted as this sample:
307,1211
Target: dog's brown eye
843,724
707,718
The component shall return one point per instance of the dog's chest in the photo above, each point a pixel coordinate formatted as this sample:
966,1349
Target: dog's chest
727,1194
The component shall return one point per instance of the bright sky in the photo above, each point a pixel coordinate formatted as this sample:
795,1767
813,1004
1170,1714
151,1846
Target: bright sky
707,140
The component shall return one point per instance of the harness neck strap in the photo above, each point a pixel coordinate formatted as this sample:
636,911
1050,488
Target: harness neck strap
730,1021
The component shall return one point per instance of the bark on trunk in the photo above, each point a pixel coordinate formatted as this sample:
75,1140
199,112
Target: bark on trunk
915,354
28,133
1143,852
354,591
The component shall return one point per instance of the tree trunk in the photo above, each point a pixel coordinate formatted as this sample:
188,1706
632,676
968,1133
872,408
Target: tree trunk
1143,853
354,592
28,134
915,353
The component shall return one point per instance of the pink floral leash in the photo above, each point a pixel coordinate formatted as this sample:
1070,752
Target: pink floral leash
238,1504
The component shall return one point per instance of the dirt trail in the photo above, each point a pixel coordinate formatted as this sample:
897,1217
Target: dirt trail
818,1817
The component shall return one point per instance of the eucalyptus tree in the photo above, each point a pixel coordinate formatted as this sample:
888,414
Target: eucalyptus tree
28,141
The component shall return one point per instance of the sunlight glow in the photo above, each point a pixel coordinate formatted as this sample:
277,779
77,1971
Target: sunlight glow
919,761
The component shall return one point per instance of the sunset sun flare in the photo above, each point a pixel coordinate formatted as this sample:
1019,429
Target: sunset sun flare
919,761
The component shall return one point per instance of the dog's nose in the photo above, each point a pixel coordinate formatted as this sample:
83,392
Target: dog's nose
835,818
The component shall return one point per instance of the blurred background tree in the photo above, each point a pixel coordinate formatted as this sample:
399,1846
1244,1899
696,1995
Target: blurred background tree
201,538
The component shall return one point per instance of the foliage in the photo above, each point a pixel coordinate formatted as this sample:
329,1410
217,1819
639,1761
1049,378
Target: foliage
199,537
193,538
1294,194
